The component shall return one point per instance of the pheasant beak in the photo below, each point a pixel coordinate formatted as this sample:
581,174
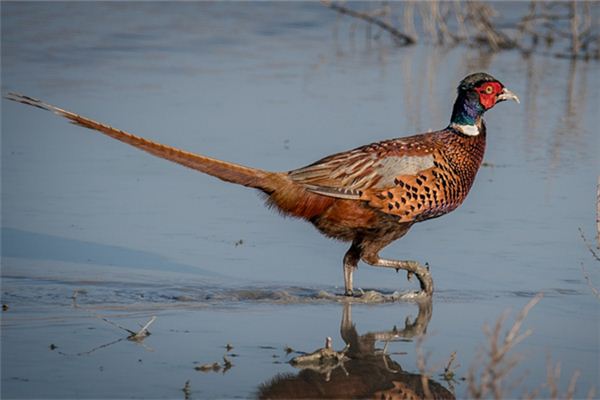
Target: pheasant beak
506,94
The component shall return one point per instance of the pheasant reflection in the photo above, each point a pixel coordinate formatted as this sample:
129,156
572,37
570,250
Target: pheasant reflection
361,370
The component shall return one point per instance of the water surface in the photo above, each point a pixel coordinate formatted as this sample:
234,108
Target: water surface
275,86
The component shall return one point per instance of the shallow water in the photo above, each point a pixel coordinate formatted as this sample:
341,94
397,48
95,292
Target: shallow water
275,86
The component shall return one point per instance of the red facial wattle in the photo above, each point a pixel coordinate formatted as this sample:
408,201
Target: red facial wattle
488,94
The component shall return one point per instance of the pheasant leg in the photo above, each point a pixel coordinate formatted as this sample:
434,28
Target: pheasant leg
413,267
351,260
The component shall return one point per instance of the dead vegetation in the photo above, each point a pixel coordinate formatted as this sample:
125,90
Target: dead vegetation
590,247
136,336
598,214
375,17
551,385
561,29
586,275
487,376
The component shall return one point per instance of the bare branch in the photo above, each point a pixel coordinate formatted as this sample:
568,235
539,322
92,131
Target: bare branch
574,28
498,364
583,269
598,213
133,335
588,245
589,282
142,333
401,38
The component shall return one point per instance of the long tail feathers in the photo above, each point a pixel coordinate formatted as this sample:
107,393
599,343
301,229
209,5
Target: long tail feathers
226,171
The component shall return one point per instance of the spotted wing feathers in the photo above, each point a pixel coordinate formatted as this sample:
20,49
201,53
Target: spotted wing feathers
400,177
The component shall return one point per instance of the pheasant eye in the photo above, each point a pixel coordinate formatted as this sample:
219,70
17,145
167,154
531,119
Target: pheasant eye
489,89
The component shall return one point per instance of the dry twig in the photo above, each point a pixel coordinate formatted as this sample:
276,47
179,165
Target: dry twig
598,213
498,364
448,374
138,336
553,372
583,269
401,38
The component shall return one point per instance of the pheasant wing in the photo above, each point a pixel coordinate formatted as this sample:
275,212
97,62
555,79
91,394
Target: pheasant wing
396,177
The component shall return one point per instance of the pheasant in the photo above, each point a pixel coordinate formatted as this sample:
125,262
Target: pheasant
369,196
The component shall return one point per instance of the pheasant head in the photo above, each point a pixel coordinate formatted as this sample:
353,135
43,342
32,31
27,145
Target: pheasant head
477,93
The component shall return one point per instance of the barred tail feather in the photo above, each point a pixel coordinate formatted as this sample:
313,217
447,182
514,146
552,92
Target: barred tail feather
223,170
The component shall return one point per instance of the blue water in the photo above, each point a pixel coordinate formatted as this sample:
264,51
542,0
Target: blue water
275,86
